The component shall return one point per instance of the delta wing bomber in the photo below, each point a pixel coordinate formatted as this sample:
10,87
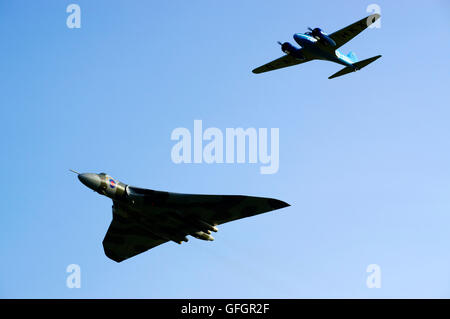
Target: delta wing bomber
144,218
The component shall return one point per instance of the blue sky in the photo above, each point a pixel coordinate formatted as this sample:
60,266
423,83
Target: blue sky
364,159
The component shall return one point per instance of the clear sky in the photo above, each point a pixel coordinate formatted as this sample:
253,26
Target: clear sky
364,159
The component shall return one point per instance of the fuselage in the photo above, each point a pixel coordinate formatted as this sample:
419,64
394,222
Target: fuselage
313,48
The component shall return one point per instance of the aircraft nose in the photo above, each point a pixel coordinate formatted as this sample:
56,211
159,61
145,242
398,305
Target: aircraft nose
91,180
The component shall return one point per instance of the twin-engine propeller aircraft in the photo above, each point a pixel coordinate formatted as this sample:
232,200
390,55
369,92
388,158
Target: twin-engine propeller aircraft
317,45
144,218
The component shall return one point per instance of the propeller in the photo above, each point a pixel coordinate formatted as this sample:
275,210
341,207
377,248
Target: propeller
284,46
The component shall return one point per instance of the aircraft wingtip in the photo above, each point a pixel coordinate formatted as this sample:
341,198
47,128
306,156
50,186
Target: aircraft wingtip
277,204
372,18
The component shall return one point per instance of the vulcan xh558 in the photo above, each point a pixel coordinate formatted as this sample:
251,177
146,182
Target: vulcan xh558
144,218
317,45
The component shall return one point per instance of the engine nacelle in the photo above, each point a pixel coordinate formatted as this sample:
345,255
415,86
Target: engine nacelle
319,34
288,48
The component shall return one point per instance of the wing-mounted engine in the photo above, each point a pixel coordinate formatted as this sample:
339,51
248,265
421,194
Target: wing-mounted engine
321,36
289,49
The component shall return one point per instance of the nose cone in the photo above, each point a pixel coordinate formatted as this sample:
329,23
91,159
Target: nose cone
91,180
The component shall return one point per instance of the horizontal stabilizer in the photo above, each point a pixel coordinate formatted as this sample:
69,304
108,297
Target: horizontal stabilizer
359,65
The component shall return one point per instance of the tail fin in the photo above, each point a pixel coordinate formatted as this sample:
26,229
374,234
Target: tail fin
352,56
356,66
